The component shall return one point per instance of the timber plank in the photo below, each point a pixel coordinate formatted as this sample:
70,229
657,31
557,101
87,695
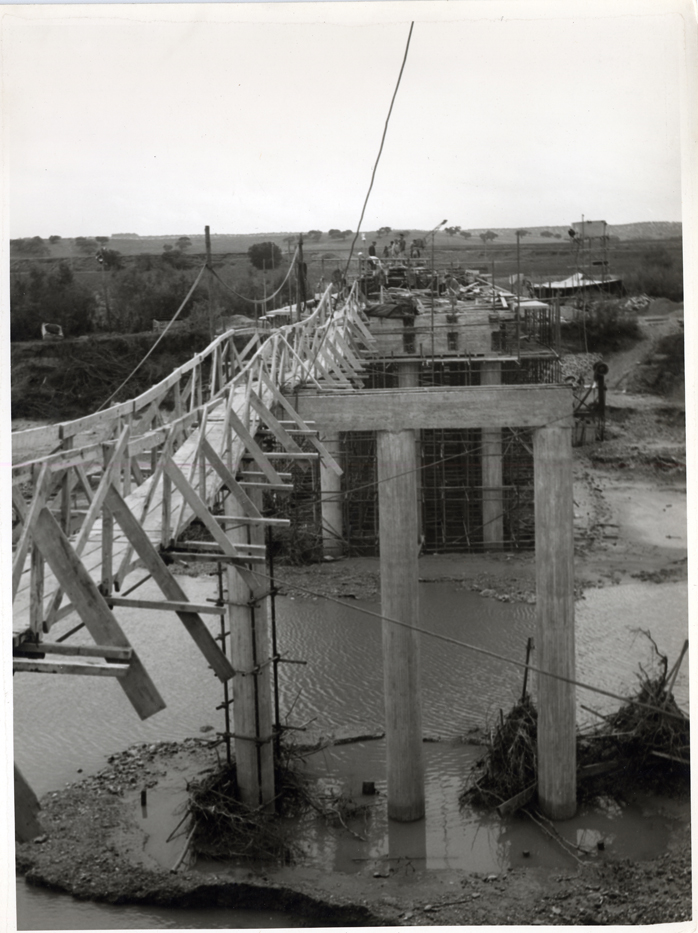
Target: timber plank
93,610
38,666
169,585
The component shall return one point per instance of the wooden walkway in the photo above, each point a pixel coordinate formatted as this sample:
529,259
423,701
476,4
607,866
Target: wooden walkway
162,460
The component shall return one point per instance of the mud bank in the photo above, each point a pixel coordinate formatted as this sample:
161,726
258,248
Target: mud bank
96,846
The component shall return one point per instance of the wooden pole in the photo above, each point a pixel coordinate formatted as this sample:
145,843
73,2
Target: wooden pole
397,498
251,657
492,493
552,452
300,278
331,501
207,239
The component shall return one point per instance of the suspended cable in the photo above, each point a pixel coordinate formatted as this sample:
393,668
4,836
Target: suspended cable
257,301
478,650
375,166
170,323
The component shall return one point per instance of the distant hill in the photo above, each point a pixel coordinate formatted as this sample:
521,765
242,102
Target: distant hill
131,244
646,230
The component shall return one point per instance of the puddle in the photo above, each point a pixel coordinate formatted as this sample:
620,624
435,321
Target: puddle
453,838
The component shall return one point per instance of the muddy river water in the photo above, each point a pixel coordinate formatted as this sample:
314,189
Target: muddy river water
66,726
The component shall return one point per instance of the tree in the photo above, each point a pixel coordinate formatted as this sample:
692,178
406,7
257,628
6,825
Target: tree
466,234
488,235
55,297
102,240
86,244
167,247
384,231
520,233
31,246
314,235
334,233
265,255
183,243
452,231
546,233
53,239
111,259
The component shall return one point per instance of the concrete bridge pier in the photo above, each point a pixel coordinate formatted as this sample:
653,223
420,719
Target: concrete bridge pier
397,499
331,500
250,653
408,378
492,492
557,769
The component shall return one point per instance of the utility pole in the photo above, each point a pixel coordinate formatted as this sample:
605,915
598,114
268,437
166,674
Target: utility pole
518,293
207,235
300,278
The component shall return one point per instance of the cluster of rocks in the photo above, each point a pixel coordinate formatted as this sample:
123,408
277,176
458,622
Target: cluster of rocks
140,765
579,366
636,303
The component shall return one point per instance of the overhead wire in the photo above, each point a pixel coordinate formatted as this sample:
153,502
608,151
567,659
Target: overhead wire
380,150
256,301
169,325
475,648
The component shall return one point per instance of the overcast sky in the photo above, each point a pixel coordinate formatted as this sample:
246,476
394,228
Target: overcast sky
256,118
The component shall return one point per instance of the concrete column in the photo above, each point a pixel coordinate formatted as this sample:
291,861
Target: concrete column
250,652
492,493
552,452
397,495
408,378
331,501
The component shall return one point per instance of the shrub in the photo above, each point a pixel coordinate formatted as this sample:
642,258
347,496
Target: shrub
139,295
606,327
38,296
658,275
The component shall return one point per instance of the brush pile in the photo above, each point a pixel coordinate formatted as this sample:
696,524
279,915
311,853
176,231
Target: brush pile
645,744
509,764
648,736
225,828
222,827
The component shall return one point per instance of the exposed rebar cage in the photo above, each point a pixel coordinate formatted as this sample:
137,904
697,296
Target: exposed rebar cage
383,374
451,491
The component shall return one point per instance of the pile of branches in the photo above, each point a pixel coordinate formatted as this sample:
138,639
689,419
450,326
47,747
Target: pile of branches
645,744
222,827
509,765
649,736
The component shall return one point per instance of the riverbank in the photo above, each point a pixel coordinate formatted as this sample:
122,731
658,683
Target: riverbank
630,525
99,846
